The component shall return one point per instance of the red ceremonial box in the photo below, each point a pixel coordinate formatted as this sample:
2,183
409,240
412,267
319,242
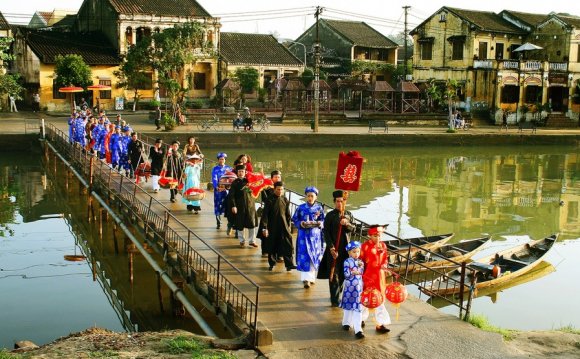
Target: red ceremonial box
348,171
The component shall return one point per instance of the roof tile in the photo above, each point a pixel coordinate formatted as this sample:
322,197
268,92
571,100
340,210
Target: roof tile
360,34
255,49
93,47
486,20
162,7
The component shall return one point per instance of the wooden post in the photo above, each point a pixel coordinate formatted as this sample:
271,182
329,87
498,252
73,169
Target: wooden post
159,294
115,238
89,208
131,267
101,223
94,269
91,171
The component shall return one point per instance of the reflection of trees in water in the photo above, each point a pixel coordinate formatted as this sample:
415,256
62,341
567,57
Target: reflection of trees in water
8,193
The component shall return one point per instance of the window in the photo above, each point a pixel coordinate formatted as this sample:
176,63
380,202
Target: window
426,51
510,94
55,93
578,54
199,80
107,93
483,50
457,50
499,51
533,94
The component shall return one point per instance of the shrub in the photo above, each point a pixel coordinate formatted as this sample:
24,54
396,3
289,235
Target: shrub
169,121
196,103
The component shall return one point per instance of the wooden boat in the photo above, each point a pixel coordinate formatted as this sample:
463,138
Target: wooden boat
506,265
437,257
540,270
428,242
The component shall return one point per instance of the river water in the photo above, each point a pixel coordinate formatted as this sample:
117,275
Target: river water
513,194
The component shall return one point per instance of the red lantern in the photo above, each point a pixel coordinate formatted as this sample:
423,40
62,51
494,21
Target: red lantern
348,171
396,293
167,182
371,298
143,170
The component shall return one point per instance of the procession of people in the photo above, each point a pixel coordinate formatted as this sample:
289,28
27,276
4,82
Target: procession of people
322,248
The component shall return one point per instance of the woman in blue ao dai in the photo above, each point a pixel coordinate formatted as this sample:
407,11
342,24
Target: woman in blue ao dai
192,175
352,290
309,218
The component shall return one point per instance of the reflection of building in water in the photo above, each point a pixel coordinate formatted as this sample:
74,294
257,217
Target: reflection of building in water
523,191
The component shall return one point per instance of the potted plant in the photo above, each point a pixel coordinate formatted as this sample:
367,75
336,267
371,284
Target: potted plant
169,122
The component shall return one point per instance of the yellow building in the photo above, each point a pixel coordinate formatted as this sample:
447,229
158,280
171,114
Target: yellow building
477,48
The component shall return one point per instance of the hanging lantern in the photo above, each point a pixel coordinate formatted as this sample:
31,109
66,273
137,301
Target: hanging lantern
371,298
396,293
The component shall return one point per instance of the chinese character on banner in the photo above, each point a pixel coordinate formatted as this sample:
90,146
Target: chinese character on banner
348,171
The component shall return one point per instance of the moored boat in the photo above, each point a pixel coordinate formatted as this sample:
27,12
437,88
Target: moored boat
494,269
427,242
443,256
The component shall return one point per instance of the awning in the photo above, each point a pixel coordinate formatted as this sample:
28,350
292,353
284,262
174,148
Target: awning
510,80
457,38
533,81
426,39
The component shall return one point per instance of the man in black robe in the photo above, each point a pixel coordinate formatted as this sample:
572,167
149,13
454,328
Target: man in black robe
276,221
266,194
337,220
243,208
135,152
156,156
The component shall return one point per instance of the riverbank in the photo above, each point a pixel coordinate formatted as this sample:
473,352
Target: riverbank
100,343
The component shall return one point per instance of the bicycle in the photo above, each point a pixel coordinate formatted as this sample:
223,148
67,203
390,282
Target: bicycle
210,124
261,124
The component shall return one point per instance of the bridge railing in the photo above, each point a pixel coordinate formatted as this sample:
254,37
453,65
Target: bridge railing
235,293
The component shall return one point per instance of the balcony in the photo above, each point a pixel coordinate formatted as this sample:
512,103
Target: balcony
509,65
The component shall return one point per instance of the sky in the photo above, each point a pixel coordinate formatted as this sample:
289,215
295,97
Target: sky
289,19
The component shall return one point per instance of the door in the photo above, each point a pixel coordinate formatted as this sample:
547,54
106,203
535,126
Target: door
557,95
499,51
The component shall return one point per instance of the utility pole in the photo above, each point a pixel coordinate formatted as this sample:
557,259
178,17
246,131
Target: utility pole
405,34
317,70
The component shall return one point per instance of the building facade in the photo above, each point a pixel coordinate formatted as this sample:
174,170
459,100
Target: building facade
477,49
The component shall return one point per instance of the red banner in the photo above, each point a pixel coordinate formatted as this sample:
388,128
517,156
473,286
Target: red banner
257,182
348,171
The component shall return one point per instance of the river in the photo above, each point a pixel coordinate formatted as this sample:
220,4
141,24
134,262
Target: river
513,194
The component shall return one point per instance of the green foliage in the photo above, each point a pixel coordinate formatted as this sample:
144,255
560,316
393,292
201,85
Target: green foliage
71,70
481,322
131,73
169,121
434,94
4,354
262,92
104,354
4,47
182,345
247,78
569,329
154,103
10,84
307,76
196,103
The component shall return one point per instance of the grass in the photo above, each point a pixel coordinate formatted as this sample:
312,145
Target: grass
569,329
4,354
103,354
481,322
198,349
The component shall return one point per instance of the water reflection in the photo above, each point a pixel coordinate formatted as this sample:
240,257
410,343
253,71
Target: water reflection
513,194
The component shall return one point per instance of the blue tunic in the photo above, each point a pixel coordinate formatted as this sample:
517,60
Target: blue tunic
124,158
353,285
309,243
219,197
115,144
192,180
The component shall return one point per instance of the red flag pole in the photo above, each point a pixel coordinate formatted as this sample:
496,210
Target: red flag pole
338,234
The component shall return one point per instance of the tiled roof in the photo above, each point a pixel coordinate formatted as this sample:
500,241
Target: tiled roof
3,23
407,86
486,20
255,49
360,34
528,18
68,21
382,86
45,15
570,20
94,48
160,7
322,86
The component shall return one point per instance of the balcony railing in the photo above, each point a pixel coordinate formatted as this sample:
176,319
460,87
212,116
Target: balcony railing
558,66
532,65
482,64
507,65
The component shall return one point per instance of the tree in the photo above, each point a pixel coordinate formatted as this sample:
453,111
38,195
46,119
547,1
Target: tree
451,87
71,70
131,73
434,94
5,55
10,85
247,77
174,51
